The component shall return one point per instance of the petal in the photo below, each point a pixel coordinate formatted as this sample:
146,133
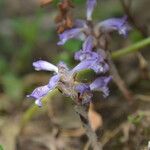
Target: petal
38,102
90,7
44,65
81,66
53,82
39,92
80,23
88,44
69,34
118,24
100,84
86,55
81,88
84,93
95,65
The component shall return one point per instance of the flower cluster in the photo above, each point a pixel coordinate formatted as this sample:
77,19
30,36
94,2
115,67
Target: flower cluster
90,56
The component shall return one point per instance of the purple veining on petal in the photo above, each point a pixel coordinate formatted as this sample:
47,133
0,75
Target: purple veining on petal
118,24
69,34
44,65
53,81
100,84
90,7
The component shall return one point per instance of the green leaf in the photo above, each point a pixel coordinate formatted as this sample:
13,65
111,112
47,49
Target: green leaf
85,76
73,45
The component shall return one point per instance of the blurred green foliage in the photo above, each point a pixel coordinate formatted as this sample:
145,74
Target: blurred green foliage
136,119
1,147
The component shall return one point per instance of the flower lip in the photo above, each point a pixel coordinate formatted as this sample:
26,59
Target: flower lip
53,81
44,65
100,84
69,34
114,24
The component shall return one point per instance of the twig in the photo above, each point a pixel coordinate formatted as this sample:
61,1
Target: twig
131,49
82,111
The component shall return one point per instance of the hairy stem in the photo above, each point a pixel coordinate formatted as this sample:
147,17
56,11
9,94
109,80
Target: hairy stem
82,111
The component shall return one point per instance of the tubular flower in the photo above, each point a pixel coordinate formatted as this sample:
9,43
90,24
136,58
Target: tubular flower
69,34
64,80
41,91
114,24
90,7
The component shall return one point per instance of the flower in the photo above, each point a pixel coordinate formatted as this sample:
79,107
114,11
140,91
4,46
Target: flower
69,34
44,65
100,84
89,59
64,80
114,24
92,64
84,93
82,31
86,51
41,91
90,7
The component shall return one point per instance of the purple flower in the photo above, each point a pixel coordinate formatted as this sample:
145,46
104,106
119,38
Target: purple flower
93,64
41,91
53,81
100,84
69,34
87,53
88,44
44,65
79,23
84,93
90,7
114,24
81,88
